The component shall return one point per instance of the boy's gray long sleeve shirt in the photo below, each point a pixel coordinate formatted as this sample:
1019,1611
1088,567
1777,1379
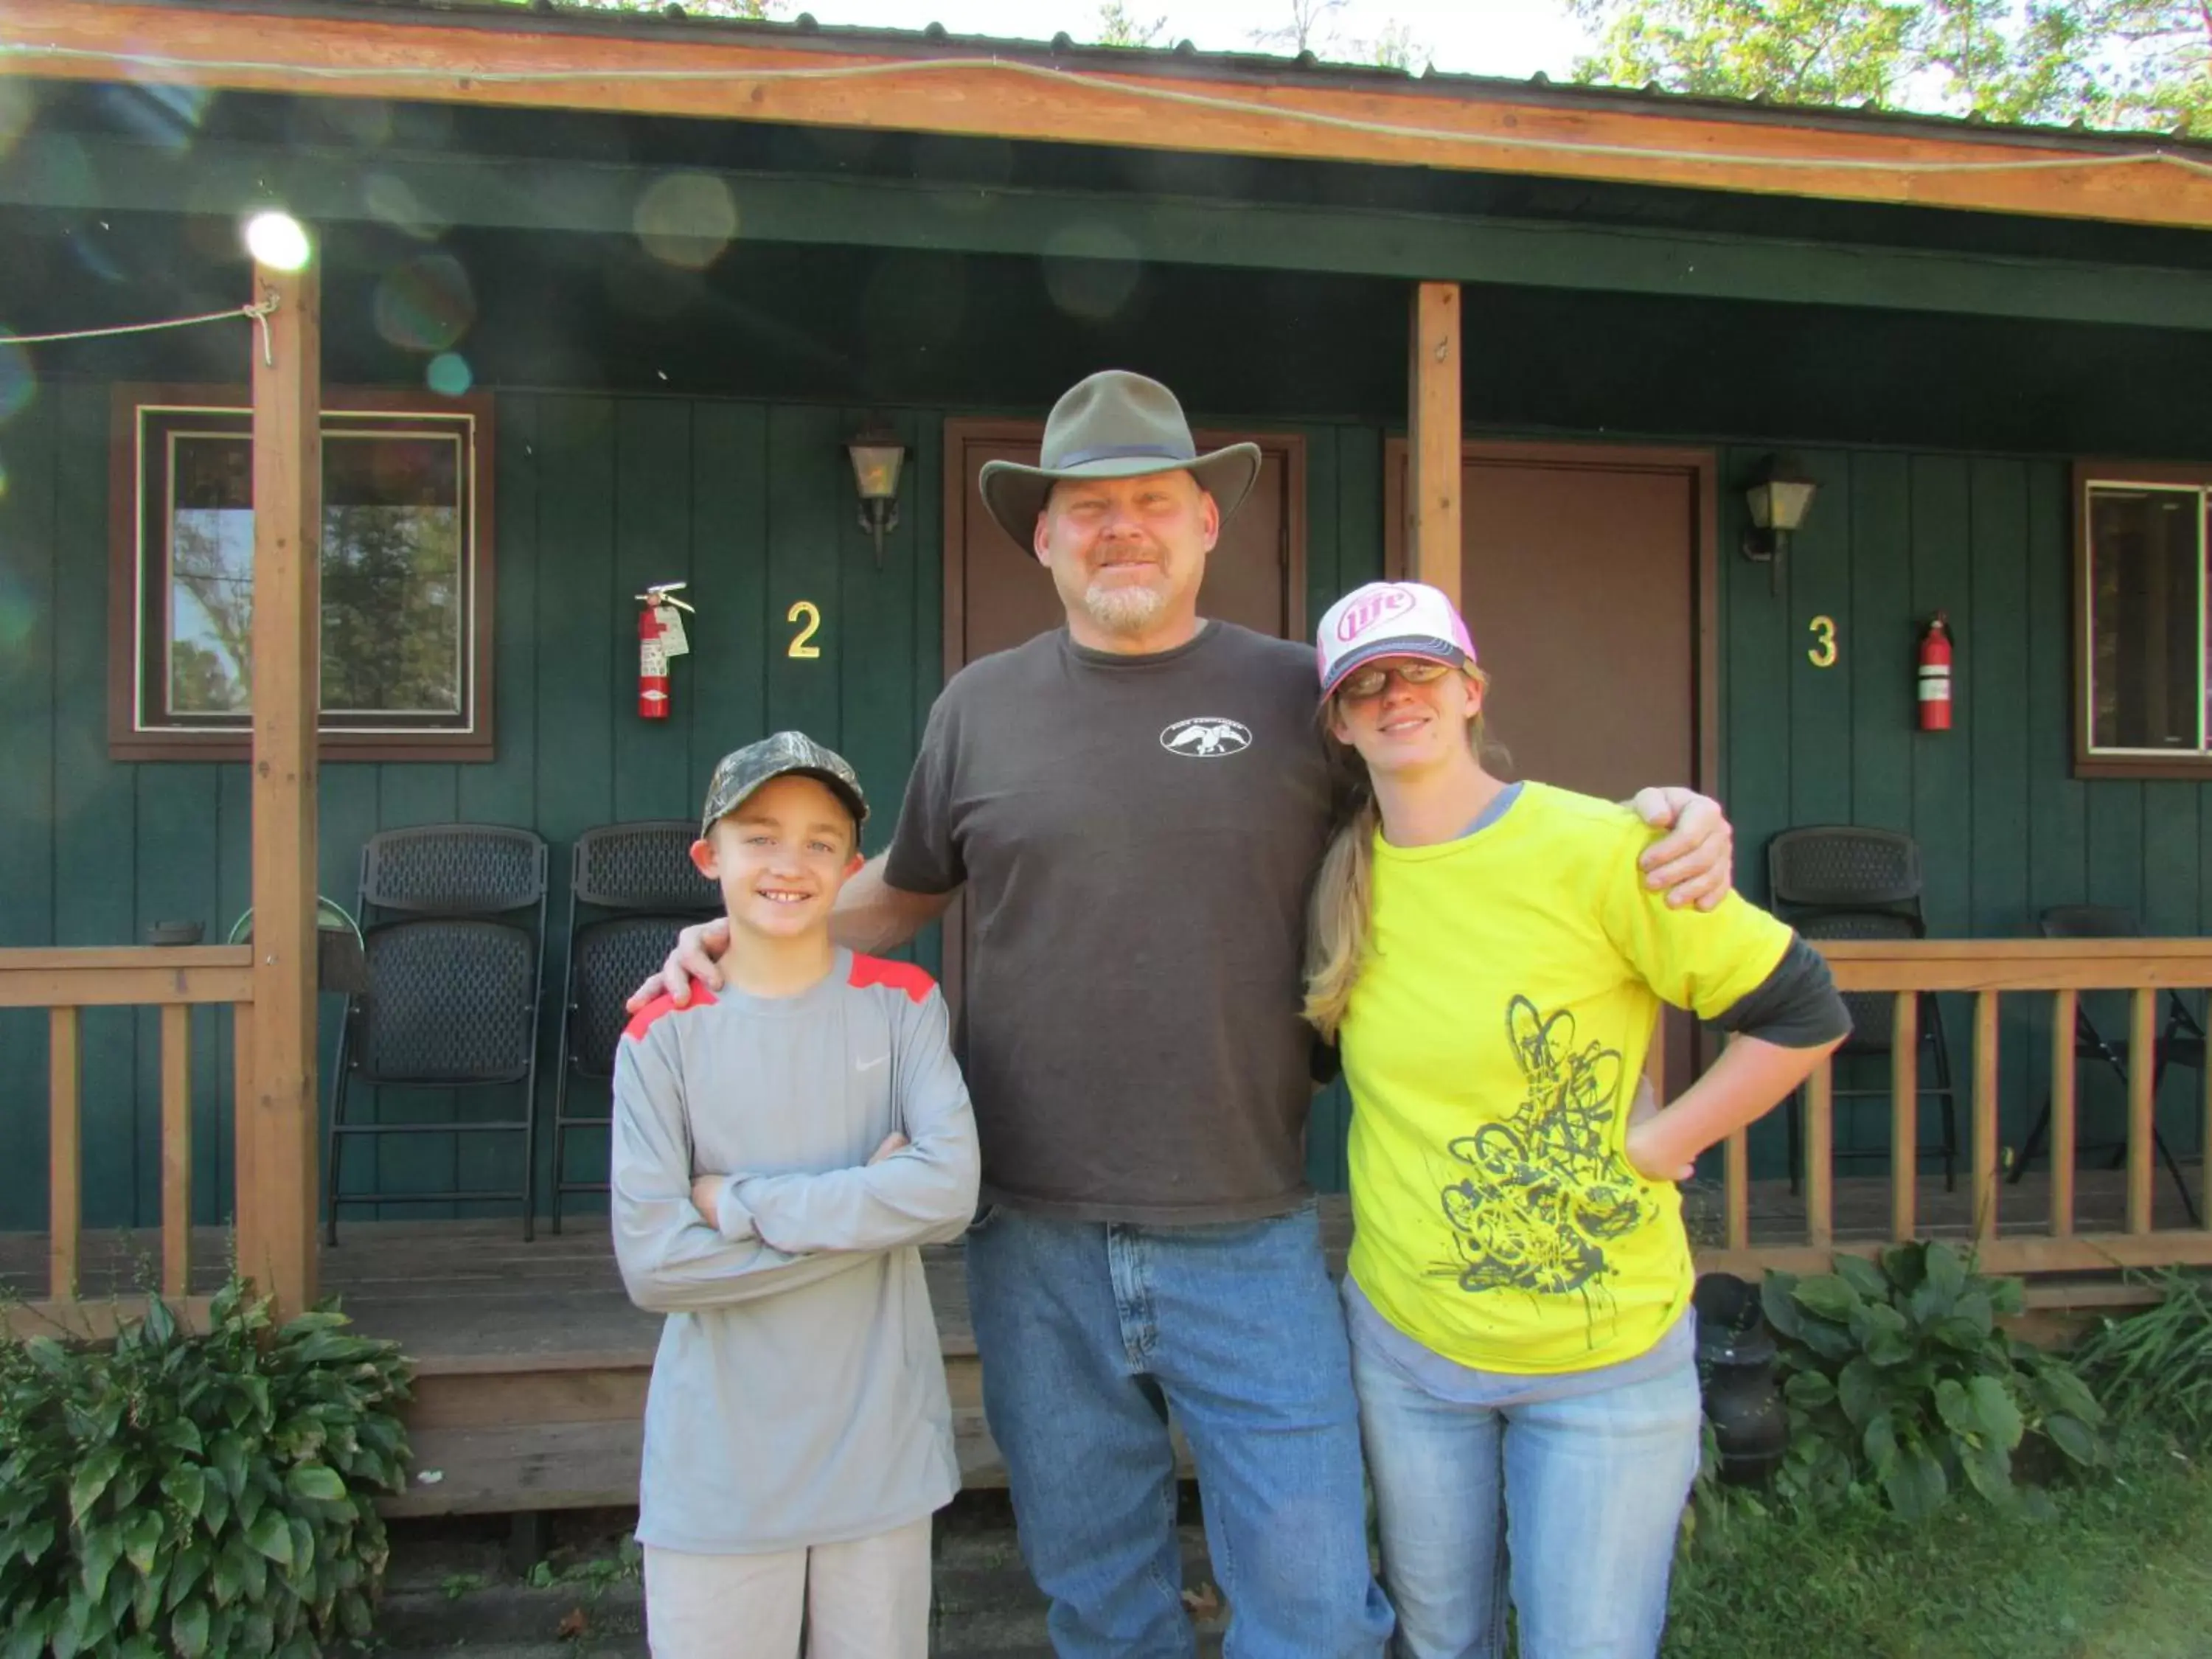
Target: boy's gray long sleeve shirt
798,1396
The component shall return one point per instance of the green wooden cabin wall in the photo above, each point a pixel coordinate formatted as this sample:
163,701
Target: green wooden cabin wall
2004,828
749,503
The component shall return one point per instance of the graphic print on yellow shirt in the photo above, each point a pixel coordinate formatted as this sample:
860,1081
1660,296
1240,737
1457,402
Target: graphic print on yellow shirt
1493,1046
1549,1190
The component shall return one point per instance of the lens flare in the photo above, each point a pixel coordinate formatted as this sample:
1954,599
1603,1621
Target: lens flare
277,240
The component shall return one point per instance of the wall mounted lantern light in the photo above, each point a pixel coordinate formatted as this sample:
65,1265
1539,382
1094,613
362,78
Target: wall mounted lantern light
1780,495
877,456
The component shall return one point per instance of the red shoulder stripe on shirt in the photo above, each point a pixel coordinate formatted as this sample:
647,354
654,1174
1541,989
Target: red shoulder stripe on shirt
664,1004
899,975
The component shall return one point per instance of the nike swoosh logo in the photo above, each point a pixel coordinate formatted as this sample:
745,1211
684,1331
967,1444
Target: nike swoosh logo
870,1065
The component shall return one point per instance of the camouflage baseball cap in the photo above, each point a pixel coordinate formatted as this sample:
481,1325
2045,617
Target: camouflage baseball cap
743,770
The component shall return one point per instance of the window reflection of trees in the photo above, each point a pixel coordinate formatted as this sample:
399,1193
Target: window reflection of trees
394,596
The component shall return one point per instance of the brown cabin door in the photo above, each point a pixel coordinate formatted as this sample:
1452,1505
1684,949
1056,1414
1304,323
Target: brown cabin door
1585,578
997,595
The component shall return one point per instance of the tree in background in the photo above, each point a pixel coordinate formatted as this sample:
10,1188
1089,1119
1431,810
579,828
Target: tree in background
1118,27
1313,26
2122,63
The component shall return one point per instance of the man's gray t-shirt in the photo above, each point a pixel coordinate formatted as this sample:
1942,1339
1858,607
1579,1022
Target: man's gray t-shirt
798,1396
1138,836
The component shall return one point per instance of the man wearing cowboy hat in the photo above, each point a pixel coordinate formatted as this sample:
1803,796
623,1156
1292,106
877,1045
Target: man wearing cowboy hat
1135,806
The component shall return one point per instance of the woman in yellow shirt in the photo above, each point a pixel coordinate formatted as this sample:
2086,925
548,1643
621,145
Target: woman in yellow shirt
1491,966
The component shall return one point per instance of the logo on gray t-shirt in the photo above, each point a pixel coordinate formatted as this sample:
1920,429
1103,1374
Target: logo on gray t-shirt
1207,737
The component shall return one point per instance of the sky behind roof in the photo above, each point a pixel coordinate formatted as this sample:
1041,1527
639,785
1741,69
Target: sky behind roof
1471,36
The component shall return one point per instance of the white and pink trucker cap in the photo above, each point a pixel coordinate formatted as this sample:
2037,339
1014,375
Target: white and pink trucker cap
1390,619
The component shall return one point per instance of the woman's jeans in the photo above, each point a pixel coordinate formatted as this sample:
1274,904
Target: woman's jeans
1091,1334
1572,1504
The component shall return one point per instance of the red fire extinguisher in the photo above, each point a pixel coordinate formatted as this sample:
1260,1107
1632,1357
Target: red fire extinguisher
659,636
1935,676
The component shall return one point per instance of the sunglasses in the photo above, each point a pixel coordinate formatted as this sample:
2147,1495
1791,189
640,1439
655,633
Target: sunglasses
1364,683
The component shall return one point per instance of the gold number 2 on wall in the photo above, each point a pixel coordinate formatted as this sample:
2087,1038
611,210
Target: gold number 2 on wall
1822,655
811,613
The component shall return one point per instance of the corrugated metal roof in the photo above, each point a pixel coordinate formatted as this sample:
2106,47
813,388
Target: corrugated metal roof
1183,59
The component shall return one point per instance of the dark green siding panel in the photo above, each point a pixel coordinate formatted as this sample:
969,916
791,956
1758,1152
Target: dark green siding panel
731,635
2115,844
2057,810
345,809
1942,796
1326,1120
1877,649
95,817
581,693
874,666
1991,684
1817,577
502,791
1757,645
586,677
810,507
2058,834
29,461
927,476
179,870
1359,497
1352,546
234,892
653,543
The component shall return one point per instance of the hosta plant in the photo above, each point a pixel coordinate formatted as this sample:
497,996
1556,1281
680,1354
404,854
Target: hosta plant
1897,1377
188,1493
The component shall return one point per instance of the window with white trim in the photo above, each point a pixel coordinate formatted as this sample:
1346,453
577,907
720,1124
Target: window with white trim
406,580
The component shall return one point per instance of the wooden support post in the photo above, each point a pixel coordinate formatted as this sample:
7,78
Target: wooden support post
64,1144
1986,1150
1433,441
1820,1156
277,1162
1905,1116
2143,1125
2063,1006
176,1149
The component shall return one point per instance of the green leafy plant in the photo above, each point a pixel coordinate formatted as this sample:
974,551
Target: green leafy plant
195,1493
2155,1367
1897,1377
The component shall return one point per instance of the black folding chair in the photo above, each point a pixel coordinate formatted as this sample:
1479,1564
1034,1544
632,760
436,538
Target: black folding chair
1844,881
454,936
640,879
2181,1043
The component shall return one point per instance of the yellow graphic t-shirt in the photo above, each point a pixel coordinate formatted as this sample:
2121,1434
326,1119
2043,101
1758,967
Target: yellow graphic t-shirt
1492,1045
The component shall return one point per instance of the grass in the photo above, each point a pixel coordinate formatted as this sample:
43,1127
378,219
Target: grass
2123,1569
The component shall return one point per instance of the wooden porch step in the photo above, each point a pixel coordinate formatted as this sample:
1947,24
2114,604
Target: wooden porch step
494,1468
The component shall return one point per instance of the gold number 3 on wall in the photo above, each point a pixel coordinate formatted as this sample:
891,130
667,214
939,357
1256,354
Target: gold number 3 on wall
1823,655
811,613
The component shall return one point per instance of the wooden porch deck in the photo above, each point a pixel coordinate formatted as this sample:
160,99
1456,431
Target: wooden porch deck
531,1363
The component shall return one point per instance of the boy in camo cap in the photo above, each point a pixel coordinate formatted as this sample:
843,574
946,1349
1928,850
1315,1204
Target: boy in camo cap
781,1150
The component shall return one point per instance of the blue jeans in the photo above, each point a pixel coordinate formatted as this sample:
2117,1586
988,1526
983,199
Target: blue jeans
1090,1334
1573,1503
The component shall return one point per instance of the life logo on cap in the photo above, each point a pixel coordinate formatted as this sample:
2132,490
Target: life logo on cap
1378,607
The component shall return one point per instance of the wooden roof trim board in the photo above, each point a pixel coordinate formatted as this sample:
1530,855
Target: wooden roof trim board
61,171
524,60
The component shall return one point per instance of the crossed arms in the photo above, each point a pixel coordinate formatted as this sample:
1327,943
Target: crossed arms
676,1259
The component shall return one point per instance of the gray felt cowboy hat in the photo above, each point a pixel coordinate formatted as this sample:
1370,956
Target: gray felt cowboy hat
1114,425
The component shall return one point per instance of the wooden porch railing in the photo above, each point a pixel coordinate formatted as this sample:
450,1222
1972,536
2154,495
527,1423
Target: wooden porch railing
1988,969
65,982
